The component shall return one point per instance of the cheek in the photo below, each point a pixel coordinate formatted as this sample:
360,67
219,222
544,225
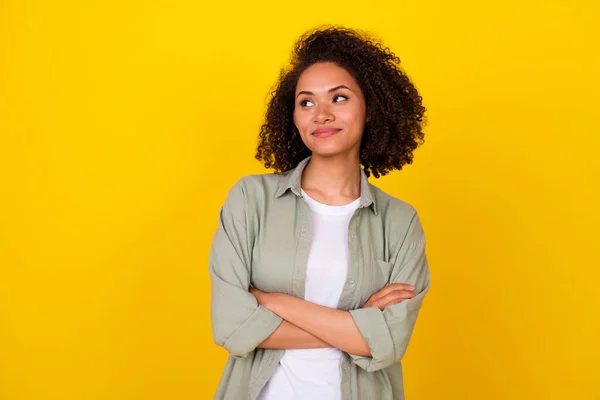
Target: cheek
354,118
302,121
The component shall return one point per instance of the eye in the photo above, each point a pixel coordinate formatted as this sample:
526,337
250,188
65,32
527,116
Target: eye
339,96
304,103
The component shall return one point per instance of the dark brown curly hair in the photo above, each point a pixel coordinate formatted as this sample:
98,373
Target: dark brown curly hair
395,113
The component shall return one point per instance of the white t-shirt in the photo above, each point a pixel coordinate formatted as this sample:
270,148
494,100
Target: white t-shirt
315,374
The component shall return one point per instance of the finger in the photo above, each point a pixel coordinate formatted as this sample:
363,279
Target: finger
387,289
254,291
396,289
396,295
391,303
377,295
401,286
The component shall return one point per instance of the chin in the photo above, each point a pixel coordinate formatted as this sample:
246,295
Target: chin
331,147
330,152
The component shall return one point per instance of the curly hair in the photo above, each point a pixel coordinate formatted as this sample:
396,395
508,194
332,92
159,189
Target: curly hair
395,114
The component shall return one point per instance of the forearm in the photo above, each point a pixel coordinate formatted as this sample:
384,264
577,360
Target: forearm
289,336
332,326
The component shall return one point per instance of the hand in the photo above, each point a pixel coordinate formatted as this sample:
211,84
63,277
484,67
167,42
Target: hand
392,293
261,297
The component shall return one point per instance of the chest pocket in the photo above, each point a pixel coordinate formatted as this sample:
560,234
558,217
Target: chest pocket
386,269
380,275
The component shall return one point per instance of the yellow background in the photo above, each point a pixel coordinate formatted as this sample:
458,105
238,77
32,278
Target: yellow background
123,124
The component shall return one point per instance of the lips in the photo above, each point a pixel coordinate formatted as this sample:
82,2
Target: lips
325,132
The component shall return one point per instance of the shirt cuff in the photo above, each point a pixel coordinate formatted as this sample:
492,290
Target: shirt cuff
253,331
374,329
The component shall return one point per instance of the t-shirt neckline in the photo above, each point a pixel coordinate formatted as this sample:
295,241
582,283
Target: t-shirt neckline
323,208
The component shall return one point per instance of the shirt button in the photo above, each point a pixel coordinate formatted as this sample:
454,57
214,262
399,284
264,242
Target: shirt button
346,367
353,236
351,284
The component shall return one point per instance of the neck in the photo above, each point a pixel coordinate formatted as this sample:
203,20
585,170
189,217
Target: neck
333,177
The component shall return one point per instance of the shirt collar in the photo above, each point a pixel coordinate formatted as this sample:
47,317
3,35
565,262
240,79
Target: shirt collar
292,179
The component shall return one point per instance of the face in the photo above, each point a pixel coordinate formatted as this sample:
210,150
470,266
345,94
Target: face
329,110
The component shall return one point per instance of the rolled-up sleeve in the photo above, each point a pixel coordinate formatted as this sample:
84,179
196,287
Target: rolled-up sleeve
239,323
388,332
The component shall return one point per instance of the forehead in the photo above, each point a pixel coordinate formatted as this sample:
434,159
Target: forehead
323,76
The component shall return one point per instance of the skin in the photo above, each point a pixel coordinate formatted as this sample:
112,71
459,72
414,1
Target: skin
327,96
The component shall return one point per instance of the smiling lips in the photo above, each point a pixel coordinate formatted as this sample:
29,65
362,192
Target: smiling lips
325,132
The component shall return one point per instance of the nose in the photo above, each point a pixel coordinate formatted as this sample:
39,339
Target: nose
324,114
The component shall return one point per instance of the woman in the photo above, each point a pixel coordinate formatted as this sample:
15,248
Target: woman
317,275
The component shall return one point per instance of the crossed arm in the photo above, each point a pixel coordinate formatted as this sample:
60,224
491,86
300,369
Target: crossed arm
308,325
375,336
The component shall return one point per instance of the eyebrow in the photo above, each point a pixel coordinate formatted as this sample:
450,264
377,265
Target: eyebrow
333,89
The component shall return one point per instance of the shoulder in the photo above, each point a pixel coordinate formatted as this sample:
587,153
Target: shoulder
392,207
255,187
399,216
259,181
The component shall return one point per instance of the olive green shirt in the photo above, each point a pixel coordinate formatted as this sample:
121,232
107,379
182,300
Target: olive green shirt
263,239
